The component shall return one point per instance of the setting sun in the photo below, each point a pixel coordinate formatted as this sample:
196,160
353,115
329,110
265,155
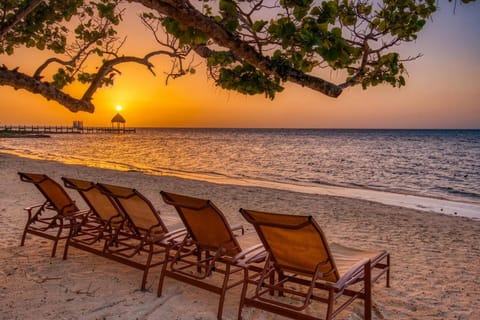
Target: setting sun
119,108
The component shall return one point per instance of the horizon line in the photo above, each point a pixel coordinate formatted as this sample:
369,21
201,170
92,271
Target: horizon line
248,128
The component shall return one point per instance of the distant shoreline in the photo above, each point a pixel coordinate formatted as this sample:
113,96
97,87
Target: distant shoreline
22,135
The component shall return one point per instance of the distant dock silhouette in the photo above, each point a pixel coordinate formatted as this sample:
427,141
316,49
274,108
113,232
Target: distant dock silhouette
65,129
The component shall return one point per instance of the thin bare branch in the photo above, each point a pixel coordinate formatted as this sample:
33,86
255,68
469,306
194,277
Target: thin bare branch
108,66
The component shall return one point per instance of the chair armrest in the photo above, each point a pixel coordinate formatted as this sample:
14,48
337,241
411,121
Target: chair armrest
353,274
78,213
259,252
33,207
168,238
237,228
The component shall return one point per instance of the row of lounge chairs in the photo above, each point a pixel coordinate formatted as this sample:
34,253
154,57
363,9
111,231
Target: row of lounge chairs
291,266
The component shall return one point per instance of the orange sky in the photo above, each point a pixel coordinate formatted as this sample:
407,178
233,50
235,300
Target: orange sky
442,91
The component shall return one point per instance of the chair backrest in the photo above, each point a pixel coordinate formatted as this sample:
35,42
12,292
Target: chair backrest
295,243
205,222
53,192
138,210
101,205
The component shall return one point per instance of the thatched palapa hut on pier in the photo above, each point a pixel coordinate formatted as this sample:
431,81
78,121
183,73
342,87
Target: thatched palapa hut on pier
119,122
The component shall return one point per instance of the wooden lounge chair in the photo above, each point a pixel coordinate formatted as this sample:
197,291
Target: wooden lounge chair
53,218
210,248
307,269
147,232
105,226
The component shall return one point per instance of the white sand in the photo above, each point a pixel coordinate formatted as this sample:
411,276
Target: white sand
435,257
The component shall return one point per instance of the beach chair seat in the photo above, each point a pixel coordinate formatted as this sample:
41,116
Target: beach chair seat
144,238
305,268
209,249
53,218
106,226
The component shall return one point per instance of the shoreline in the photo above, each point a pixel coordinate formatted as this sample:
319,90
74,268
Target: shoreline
411,201
434,256
421,203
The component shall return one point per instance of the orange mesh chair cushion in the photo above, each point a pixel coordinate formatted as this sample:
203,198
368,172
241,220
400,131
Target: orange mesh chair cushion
299,253
148,232
205,223
105,223
101,205
137,209
53,192
296,231
53,216
209,235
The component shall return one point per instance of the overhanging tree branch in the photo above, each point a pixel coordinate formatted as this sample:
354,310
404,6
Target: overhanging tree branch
245,48
19,80
189,16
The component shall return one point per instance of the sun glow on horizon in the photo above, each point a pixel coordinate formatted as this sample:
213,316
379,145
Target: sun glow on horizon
119,108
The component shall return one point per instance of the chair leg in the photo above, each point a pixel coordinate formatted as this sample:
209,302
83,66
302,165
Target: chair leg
199,258
65,250
163,273
368,291
54,249
67,243
281,277
29,221
272,281
331,301
22,242
147,267
243,294
55,242
388,271
224,291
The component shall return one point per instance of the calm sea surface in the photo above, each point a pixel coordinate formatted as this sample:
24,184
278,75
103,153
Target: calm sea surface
433,163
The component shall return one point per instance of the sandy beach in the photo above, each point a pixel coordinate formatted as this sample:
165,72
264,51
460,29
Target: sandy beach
435,257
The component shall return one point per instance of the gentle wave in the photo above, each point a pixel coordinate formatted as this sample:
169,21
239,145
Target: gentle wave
453,191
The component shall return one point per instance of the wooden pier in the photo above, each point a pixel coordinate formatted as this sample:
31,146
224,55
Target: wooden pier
64,130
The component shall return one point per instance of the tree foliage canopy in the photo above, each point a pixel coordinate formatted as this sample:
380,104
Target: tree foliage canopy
251,46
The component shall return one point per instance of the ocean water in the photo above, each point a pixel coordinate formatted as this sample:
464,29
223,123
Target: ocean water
441,164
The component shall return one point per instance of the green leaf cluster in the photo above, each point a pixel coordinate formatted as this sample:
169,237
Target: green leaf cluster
314,32
247,79
300,7
185,35
107,9
307,33
62,78
404,18
388,69
228,15
41,29
45,28
220,58
85,77
315,38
